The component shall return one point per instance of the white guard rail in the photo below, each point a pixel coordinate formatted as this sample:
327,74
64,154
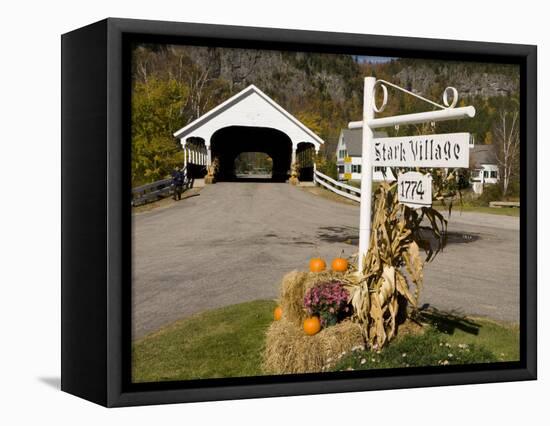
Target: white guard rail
339,188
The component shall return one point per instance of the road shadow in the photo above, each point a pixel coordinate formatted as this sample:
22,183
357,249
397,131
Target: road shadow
350,235
339,234
185,197
449,237
461,237
295,240
446,321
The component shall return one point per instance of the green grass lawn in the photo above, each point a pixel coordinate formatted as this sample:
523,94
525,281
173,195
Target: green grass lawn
225,342
502,339
228,342
505,211
427,349
446,340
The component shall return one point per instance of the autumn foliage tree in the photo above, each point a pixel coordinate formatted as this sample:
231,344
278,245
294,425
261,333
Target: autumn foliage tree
156,114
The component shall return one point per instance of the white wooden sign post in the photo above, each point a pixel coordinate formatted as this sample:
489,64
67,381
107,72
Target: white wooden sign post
445,150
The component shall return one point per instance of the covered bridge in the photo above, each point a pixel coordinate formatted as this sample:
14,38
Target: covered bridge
250,121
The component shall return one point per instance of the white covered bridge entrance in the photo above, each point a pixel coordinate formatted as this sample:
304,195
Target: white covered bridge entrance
251,121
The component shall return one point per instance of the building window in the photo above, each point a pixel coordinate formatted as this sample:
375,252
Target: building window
356,168
379,169
342,153
341,169
485,174
493,174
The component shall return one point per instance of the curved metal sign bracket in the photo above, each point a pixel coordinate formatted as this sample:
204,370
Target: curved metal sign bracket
383,84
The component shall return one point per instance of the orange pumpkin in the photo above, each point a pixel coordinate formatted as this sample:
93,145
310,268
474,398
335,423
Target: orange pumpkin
339,265
278,313
317,264
312,326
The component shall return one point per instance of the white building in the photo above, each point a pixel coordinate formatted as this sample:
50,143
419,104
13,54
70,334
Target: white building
348,157
483,167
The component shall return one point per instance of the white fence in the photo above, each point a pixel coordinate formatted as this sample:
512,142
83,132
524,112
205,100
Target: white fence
156,190
339,188
195,155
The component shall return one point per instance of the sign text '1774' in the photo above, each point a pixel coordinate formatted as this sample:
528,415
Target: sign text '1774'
414,189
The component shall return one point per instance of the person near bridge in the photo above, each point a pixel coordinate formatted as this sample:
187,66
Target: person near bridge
177,182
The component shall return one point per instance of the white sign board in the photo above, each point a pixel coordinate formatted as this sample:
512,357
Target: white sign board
445,150
414,189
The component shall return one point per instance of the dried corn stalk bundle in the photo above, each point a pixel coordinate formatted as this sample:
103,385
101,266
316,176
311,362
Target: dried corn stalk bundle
392,277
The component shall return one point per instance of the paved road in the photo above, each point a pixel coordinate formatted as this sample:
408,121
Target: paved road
235,241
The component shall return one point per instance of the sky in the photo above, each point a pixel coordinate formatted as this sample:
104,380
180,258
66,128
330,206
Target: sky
373,59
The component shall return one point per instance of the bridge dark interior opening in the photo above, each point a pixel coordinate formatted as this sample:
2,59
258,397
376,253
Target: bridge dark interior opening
229,143
254,165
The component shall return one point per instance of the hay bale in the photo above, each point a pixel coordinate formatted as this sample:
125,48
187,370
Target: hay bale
293,290
292,296
289,350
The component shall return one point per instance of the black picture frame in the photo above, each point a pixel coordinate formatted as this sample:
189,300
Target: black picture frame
96,226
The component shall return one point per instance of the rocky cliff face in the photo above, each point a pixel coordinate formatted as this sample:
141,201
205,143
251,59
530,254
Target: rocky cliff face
470,80
285,75
291,76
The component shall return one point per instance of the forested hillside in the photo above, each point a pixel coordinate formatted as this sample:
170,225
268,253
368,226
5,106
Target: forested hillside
173,85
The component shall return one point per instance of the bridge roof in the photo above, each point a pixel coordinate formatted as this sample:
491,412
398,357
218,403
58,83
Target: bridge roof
251,108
